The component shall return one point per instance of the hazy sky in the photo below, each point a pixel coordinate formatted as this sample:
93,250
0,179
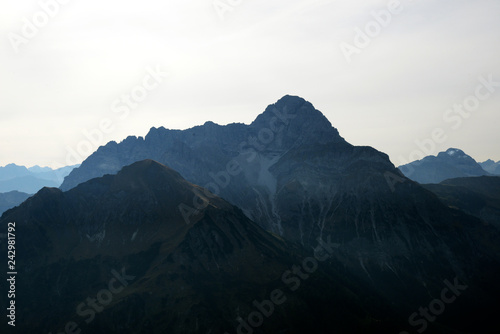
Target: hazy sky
64,72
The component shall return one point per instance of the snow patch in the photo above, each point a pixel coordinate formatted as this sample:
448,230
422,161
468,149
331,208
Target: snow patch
134,235
266,179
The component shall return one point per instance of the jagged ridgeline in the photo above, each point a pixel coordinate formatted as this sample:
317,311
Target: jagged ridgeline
288,181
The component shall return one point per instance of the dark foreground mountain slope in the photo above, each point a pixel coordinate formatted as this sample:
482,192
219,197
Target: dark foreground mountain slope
451,164
114,255
478,196
292,173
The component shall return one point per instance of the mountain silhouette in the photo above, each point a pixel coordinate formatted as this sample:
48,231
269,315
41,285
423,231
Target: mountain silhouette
293,174
491,166
11,199
453,163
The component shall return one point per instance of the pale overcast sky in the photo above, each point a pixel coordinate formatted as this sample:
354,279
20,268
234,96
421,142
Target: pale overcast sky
69,74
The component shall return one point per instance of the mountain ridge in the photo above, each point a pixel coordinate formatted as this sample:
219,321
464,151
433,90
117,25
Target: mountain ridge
491,166
29,180
452,163
280,130
11,199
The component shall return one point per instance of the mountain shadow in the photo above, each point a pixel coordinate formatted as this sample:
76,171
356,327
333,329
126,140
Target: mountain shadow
115,255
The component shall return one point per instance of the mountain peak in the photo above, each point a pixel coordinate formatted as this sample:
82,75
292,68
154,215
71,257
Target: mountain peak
451,163
14,166
294,106
138,193
148,174
300,120
159,186
491,166
455,152
148,165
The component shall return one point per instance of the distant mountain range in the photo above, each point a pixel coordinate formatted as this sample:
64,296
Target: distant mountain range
270,195
17,183
11,199
451,164
30,180
491,167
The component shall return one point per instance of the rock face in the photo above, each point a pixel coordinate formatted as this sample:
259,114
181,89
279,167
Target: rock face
291,150
451,164
114,255
478,196
292,173
491,166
